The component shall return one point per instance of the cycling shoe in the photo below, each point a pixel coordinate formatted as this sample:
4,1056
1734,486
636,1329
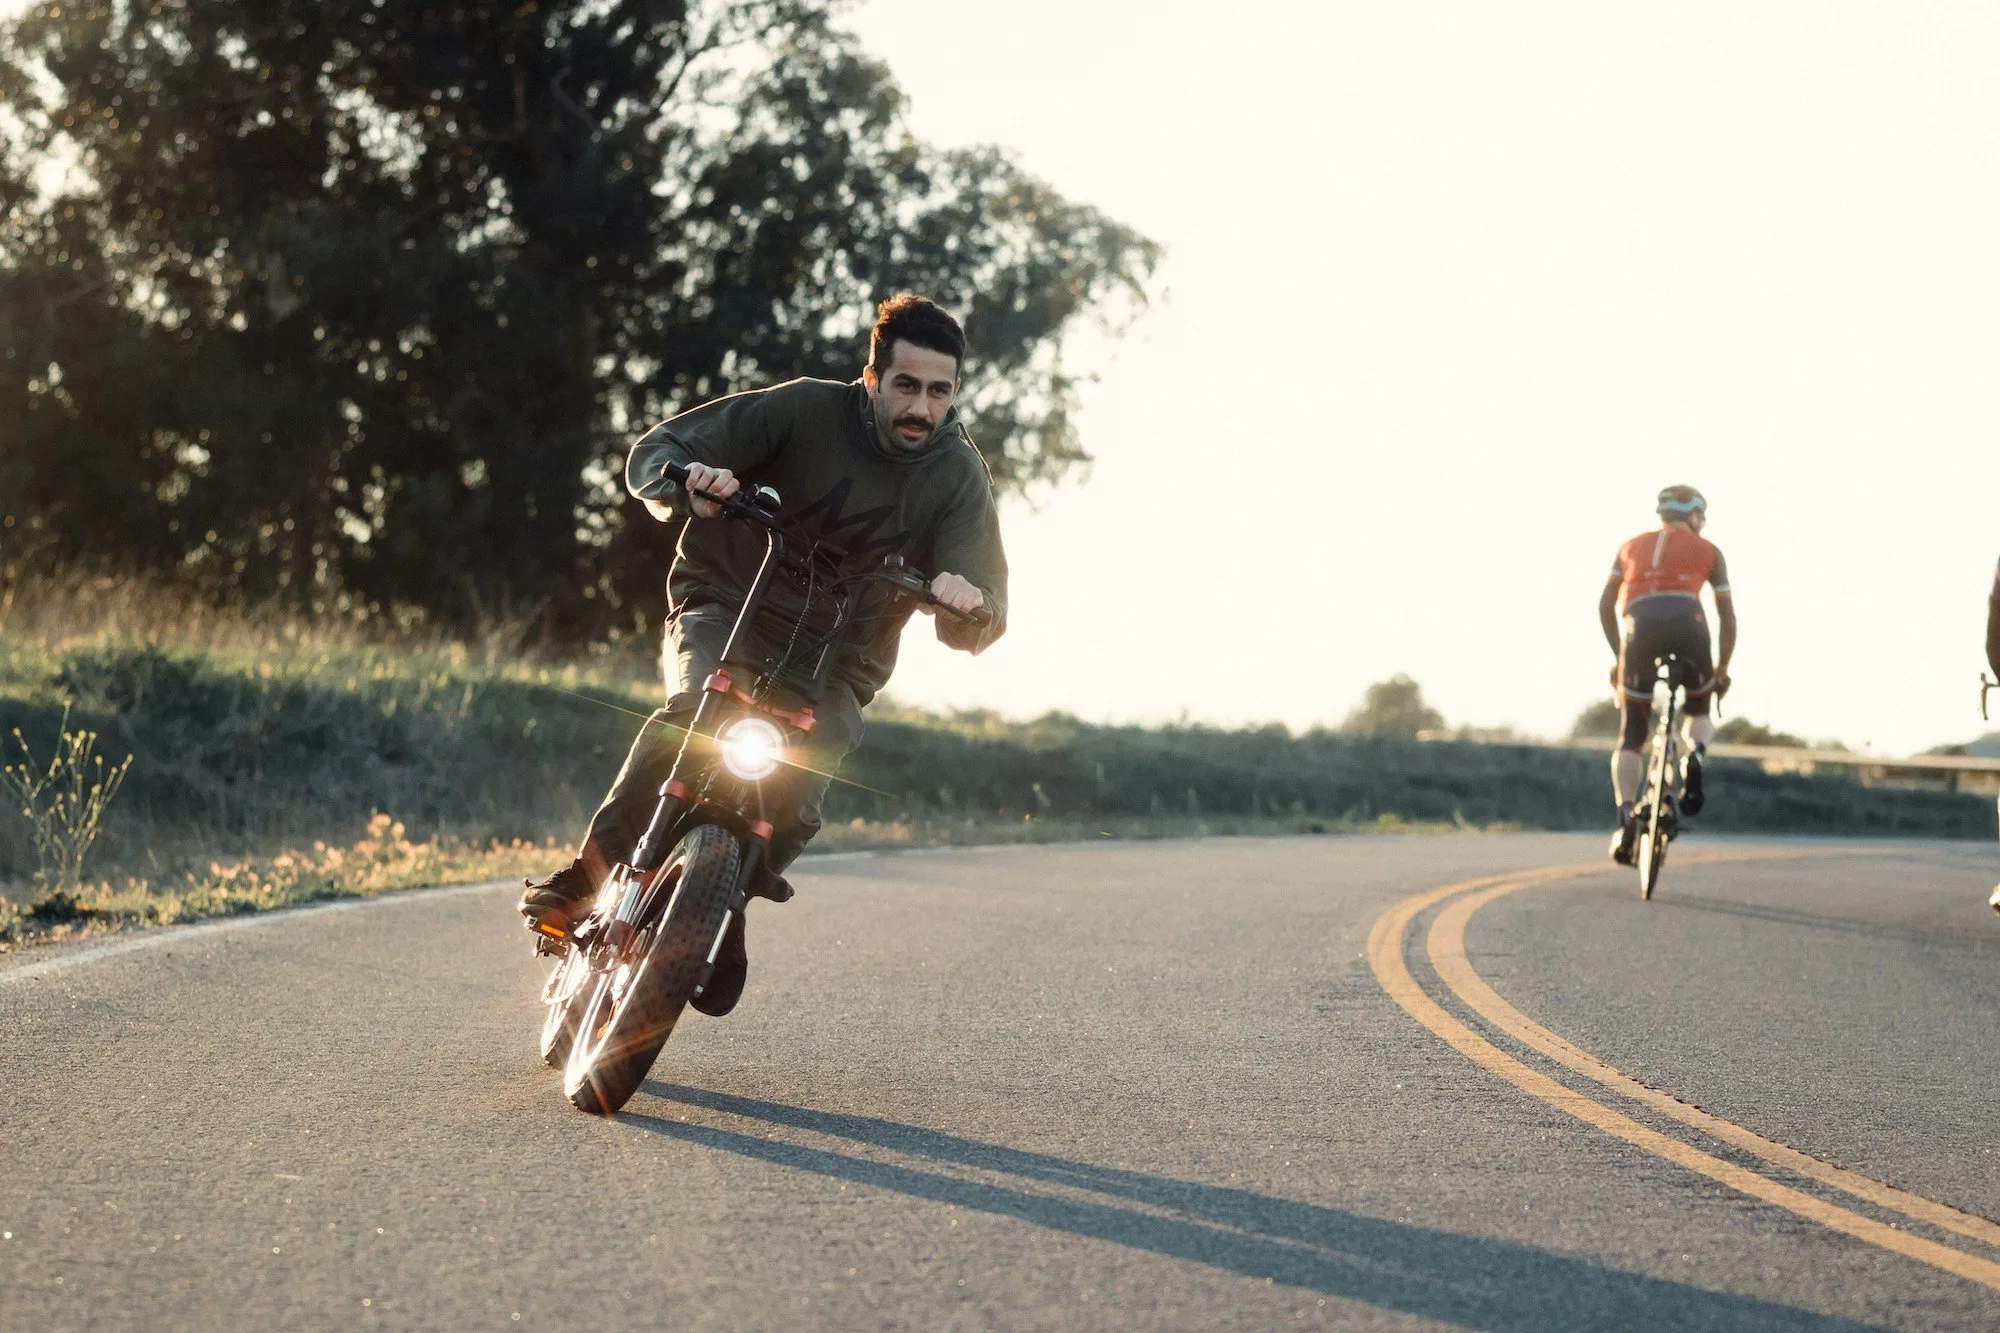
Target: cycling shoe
1625,839
1691,796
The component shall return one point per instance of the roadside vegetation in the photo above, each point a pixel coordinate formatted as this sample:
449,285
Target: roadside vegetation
276,760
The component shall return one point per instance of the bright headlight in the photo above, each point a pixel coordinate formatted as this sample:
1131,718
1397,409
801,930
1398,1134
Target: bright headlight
752,748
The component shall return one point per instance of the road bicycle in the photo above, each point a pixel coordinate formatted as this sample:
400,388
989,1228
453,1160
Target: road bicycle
1657,811
648,947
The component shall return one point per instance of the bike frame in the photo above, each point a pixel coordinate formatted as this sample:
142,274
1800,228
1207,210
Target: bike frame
1660,819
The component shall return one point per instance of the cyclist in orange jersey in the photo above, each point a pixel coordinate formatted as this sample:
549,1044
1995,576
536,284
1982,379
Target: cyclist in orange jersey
1652,605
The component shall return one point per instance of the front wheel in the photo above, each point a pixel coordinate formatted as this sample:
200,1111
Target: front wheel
631,1009
564,997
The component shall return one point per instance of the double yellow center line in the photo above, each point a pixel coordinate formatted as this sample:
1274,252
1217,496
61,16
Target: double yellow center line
1445,945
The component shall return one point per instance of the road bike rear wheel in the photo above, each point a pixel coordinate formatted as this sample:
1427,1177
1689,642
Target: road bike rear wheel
632,1009
1657,809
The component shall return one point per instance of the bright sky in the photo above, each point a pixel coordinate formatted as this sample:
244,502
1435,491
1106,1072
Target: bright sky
1451,290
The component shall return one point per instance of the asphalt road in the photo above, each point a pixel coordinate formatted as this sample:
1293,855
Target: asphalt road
1119,1085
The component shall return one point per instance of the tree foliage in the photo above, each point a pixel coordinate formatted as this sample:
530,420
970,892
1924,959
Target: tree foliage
1599,718
1742,731
358,301
1393,707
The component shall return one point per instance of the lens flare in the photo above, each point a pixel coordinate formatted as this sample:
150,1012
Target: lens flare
752,748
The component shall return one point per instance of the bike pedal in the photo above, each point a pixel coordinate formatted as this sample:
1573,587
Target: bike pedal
544,928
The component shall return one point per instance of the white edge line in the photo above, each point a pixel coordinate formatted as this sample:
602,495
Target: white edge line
158,936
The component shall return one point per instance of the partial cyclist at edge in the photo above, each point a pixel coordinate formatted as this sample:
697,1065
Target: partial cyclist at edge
1993,660
876,467
1651,607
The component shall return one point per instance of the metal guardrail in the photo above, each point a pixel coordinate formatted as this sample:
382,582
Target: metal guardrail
1953,771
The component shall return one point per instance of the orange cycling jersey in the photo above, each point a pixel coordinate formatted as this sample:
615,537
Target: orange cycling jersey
1672,562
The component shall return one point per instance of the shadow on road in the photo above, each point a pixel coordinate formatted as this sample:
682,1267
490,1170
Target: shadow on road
1466,1280
1965,943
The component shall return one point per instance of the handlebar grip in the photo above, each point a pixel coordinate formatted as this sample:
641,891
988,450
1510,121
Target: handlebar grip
983,616
675,473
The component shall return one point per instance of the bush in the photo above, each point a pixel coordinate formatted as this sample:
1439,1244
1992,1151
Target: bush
1393,707
1596,721
1742,731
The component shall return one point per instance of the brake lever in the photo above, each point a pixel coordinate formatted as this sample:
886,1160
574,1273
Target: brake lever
1986,686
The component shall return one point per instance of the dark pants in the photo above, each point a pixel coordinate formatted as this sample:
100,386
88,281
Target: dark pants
1653,628
792,796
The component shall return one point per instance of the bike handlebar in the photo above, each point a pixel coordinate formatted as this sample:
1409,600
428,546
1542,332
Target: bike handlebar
903,578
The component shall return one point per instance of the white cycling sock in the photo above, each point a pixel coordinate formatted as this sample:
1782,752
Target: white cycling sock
1627,767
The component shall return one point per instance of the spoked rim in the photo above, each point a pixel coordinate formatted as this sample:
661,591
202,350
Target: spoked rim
560,996
608,992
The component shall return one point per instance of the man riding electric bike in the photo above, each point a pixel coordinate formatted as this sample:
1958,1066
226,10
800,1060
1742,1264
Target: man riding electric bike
1652,607
869,470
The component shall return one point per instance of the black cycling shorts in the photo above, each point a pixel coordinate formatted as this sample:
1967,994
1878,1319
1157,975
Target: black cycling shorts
1656,626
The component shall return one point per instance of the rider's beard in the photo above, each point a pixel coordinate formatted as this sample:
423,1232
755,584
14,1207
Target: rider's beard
887,429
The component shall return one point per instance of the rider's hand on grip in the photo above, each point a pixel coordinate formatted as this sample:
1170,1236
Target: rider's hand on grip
956,593
703,481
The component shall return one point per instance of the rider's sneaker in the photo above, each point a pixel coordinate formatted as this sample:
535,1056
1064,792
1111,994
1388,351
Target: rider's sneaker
725,980
1994,901
1691,797
1623,840
561,900
767,885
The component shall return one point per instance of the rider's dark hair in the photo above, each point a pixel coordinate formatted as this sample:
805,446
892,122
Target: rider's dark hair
916,320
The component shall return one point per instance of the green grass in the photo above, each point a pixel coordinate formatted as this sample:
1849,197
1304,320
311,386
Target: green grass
256,737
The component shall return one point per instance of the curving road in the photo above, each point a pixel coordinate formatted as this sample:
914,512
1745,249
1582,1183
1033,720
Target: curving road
1150,1086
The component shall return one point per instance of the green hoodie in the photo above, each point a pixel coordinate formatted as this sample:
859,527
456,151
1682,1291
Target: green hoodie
814,442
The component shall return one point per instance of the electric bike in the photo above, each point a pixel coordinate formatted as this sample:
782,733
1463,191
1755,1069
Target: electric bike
648,947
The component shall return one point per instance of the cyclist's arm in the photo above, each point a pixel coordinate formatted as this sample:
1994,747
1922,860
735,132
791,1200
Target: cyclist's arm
1993,628
739,433
1607,608
1725,615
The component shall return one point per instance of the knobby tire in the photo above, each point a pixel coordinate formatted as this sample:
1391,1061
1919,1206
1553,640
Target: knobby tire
620,1034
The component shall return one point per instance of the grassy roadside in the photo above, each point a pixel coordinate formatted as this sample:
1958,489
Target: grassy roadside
398,758
387,860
